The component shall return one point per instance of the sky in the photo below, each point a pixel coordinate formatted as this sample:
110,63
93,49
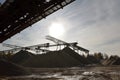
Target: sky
2,1
94,24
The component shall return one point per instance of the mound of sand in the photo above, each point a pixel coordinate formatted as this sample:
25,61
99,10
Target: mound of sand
60,58
75,55
89,59
10,69
21,57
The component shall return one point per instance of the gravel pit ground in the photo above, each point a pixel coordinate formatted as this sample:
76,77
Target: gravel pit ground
94,73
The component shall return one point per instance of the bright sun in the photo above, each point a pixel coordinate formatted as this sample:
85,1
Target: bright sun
56,29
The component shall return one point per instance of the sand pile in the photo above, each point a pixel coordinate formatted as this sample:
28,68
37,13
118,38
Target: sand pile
52,59
21,57
82,60
62,58
10,69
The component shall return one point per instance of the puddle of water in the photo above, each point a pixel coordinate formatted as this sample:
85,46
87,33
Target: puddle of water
88,73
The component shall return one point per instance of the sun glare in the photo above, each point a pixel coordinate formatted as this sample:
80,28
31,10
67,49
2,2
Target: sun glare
56,29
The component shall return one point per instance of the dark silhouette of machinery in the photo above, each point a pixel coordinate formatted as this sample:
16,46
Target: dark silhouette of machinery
73,45
37,48
45,47
16,15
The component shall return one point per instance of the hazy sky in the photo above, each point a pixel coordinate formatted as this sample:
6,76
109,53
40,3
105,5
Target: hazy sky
94,24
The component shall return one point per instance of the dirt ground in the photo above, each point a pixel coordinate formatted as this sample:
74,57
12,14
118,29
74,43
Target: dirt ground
74,73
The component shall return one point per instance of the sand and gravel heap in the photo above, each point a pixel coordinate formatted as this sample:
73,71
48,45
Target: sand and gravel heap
62,58
10,69
52,59
82,60
21,56
85,60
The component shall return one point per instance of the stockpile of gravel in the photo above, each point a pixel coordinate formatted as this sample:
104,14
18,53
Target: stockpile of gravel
62,58
10,69
52,59
21,57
